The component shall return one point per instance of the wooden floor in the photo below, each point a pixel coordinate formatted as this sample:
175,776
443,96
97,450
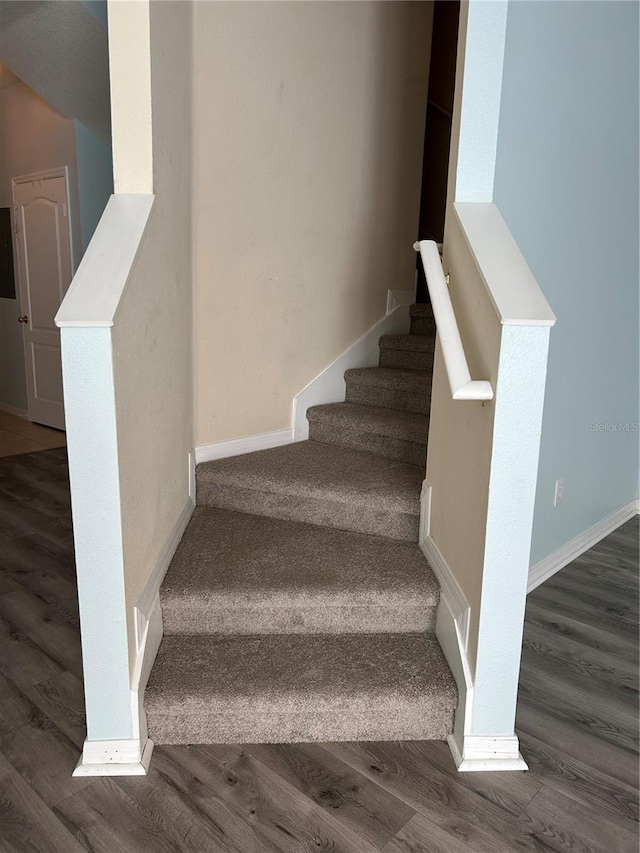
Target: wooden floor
18,435
577,721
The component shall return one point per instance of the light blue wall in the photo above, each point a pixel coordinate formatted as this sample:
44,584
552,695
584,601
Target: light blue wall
95,180
567,185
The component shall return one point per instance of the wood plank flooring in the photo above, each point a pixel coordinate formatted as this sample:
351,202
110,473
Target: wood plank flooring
577,720
18,435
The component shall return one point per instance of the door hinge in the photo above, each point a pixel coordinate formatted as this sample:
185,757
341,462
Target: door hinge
64,208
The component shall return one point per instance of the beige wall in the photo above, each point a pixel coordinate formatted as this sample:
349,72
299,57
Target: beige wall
308,130
152,333
131,120
33,137
461,433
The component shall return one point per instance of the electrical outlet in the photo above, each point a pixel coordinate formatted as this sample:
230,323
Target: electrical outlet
558,495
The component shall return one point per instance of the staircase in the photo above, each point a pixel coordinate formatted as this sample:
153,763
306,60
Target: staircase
297,606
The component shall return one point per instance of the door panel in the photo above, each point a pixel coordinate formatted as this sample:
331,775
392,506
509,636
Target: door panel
44,272
47,372
41,224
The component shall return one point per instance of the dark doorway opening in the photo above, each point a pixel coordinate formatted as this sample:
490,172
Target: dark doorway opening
7,278
437,139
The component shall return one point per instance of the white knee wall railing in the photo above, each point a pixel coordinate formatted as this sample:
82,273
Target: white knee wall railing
463,387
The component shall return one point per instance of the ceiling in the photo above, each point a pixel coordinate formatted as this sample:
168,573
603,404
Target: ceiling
60,50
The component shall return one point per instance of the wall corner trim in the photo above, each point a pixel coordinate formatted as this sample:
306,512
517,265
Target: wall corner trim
571,550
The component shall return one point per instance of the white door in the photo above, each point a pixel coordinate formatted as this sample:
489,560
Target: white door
43,251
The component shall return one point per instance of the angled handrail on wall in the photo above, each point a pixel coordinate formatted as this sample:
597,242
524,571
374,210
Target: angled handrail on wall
463,387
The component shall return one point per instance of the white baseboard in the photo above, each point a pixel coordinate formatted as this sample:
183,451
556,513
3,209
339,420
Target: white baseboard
114,758
560,558
131,757
450,589
448,635
449,586
329,386
12,410
395,298
238,446
480,753
149,597
192,475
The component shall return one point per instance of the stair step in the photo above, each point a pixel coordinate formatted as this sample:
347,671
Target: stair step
405,390
407,352
421,309
235,573
293,688
371,429
297,606
422,319
413,343
318,484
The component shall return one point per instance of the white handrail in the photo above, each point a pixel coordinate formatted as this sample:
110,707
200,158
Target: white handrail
463,387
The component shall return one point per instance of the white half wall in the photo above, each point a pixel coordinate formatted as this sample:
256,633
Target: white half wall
512,487
483,460
87,363
127,335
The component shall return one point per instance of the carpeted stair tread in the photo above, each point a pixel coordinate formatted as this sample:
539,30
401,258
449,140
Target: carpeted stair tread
297,606
407,352
421,309
407,390
238,573
293,687
409,426
415,381
412,343
319,484
391,433
422,320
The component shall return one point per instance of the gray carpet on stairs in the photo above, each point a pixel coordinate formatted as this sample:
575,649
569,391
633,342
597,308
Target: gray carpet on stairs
406,390
410,352
297,606
243,574
293,687
371,429
317,484
422,321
